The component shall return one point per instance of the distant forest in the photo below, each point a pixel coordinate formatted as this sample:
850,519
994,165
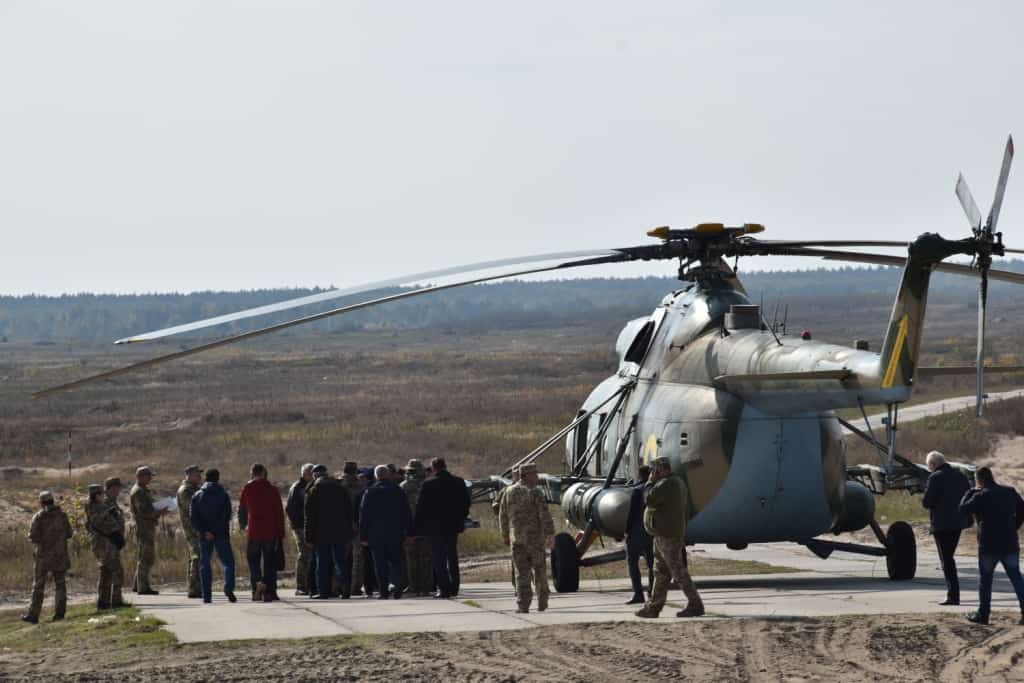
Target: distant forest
105,317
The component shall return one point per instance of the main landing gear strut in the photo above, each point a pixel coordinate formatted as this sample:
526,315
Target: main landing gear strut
899,548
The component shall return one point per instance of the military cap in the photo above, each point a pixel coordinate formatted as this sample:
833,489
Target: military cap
350,467
143,470
95,488
527,469
663,463
113,481
193,469
320,469
45,497
415,465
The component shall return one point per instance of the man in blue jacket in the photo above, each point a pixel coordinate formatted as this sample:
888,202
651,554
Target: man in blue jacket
384,523
211,519
999,511
942,495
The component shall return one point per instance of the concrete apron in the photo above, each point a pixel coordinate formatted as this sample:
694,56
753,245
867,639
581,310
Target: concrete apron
843,584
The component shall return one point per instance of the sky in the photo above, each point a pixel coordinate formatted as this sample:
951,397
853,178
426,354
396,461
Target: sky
181,146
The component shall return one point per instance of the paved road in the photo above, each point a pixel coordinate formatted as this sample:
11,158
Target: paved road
844,584
946,405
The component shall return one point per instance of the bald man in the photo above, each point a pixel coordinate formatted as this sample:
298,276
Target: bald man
942,494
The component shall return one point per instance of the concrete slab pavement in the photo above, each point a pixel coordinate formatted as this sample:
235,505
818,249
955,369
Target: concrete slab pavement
843,584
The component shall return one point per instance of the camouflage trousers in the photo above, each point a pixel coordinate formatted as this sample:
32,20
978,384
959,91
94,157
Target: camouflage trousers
303,561
147,558
108,588
670,565
195,586
420,570
529,567
60,591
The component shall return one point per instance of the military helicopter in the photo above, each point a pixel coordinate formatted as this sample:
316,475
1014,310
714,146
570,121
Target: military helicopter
745,414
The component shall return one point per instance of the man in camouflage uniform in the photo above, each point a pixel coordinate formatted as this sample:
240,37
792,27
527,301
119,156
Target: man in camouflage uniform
417,548
527,527
146,518
665,520
189,485
350,479
105,521
49,534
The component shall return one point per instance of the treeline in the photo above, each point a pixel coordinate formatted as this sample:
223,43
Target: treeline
104,317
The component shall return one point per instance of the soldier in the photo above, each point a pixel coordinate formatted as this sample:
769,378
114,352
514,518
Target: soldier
49,533
105,521
527,527
189,486
665,520
351,480
417,549
146,518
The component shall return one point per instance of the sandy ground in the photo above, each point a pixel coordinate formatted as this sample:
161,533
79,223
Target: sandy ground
893,648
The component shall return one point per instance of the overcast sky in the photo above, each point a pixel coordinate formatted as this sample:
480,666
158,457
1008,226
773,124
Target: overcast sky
190,145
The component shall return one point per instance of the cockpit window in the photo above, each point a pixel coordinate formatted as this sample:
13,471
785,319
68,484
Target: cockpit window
638,349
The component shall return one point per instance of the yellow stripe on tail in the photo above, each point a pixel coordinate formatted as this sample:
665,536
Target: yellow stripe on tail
897,349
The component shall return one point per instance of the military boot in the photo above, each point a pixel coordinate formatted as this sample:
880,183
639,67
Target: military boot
692,610
647,612
59,616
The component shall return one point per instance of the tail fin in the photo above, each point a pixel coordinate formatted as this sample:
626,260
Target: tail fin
902,345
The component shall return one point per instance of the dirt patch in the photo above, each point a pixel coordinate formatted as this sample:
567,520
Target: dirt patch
1007,461
894,648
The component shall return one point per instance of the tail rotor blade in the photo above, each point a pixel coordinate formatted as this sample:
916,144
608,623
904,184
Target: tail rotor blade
1004,173
980,357
963,193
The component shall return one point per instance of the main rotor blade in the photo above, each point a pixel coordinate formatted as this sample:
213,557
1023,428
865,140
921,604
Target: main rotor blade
887,260
608,258
368,287
833,243
1004,173
963,193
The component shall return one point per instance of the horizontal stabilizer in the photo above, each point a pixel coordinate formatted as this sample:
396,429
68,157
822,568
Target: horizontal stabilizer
808,375
939,371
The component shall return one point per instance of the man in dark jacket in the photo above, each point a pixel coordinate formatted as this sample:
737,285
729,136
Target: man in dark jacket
295,508
211,518
441,516
384,523
328,528
261,516
638,542
367,578
942,495
999,511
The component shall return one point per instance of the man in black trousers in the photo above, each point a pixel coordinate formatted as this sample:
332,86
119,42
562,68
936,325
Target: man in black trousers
441,516
942,494
638,542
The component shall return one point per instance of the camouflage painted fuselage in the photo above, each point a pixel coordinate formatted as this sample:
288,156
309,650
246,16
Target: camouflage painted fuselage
762,454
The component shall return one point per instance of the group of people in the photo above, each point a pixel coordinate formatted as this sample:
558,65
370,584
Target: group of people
391,531
953,506
383,531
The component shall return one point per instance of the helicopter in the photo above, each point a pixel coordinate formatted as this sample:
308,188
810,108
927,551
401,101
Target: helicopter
746,414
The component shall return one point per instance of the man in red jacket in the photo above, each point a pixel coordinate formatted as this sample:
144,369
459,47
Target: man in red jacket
261,514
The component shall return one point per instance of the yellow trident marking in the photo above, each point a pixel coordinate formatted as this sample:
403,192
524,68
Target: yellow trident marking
897,349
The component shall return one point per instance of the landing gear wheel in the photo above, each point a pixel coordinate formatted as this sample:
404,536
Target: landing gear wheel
565,564
901,558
